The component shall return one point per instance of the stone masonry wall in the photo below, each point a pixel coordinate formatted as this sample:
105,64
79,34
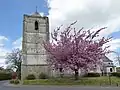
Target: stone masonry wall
34,69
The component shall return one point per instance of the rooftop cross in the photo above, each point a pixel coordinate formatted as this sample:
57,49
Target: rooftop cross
36,13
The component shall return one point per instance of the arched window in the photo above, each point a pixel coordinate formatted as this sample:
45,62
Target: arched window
111,69
36,25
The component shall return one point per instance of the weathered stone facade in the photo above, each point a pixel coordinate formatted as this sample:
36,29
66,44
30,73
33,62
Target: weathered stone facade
35,30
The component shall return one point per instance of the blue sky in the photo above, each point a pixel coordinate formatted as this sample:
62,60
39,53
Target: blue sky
12,16
88,13
115,34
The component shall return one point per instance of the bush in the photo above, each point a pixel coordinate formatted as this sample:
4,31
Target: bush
117,74
92,75
5,76
31,77
11,81
14,81
43,76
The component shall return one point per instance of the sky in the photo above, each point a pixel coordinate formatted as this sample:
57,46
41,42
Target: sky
88,13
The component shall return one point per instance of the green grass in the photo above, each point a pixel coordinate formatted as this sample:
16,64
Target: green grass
97,81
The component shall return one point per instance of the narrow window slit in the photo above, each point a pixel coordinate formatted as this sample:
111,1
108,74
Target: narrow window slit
36,25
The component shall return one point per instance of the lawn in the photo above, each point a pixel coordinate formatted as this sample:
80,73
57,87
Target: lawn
97,81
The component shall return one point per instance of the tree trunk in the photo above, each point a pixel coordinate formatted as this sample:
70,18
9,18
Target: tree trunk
61,72
76,74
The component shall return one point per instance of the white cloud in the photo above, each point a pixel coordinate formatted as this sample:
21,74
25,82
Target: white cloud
114,44
3,50
2,40
88,13
17,43
42,13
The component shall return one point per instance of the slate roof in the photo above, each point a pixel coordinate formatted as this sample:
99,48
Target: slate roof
106,59
36,14
109,62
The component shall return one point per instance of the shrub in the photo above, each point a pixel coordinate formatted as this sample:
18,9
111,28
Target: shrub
117,74
92,75
31,77
11,81
14,81
5,76
43,76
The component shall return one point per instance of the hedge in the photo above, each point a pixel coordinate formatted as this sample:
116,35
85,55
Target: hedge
5,76
31,77
43,76
92,75
117,74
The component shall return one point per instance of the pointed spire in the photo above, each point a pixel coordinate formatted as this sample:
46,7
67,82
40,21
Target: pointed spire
36,11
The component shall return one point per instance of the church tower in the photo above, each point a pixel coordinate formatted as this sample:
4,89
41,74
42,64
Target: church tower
35,30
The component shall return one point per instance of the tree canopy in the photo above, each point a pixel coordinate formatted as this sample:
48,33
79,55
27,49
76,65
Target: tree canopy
76,49
13,60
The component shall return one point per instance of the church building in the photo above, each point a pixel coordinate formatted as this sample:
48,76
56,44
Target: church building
34,61
35,30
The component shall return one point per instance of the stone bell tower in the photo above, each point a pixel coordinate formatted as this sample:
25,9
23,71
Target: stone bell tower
35,30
